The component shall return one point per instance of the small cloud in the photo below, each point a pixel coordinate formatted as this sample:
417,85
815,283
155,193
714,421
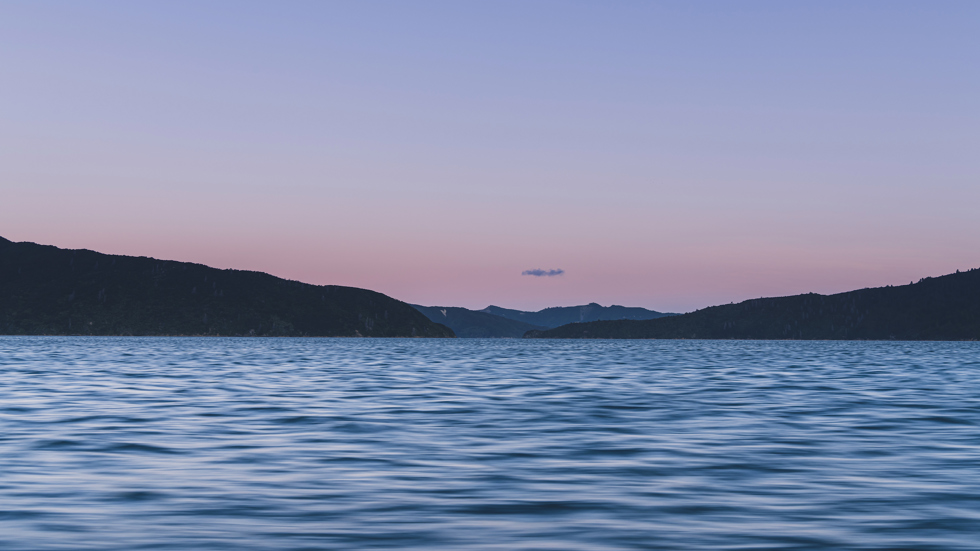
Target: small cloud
543,273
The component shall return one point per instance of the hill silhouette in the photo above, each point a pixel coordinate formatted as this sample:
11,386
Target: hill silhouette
45,290
475,324
935,308
562,315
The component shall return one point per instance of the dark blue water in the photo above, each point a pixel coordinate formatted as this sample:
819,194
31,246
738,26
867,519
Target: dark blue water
135,443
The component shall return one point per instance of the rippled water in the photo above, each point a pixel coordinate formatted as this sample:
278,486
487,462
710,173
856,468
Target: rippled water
140,443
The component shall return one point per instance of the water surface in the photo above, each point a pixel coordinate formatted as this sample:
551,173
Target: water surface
289,444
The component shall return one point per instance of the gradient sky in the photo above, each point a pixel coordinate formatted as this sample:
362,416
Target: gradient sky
671,155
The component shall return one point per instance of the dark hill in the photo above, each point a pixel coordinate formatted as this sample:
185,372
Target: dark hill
473,324
45,290
561,315
939,308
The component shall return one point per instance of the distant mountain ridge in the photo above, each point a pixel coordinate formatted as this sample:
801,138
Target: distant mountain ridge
934,308
563,315
476,324
45,290
496,322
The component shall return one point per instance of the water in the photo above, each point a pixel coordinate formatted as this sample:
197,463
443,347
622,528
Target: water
288,444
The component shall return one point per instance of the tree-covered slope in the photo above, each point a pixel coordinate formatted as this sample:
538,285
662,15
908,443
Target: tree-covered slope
45,290
939,308
561,315
473,324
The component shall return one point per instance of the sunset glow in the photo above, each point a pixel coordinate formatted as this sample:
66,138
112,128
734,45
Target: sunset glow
669,155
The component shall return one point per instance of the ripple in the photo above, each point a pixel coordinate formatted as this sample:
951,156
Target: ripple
157,443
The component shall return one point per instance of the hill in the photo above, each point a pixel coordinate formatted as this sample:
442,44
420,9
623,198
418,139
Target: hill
562,315
474,324
935,308
45,290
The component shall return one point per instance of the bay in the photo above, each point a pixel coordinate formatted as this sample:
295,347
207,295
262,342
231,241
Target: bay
289,444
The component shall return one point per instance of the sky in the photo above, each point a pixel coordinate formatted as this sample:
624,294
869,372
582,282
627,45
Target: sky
526,154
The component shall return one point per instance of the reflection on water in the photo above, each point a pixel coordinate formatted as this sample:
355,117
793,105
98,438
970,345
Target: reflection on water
140,443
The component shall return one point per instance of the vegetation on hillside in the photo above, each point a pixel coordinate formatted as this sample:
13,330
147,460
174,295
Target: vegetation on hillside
935,308
45,290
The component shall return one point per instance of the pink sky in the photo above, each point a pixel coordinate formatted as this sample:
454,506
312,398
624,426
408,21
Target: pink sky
665,157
